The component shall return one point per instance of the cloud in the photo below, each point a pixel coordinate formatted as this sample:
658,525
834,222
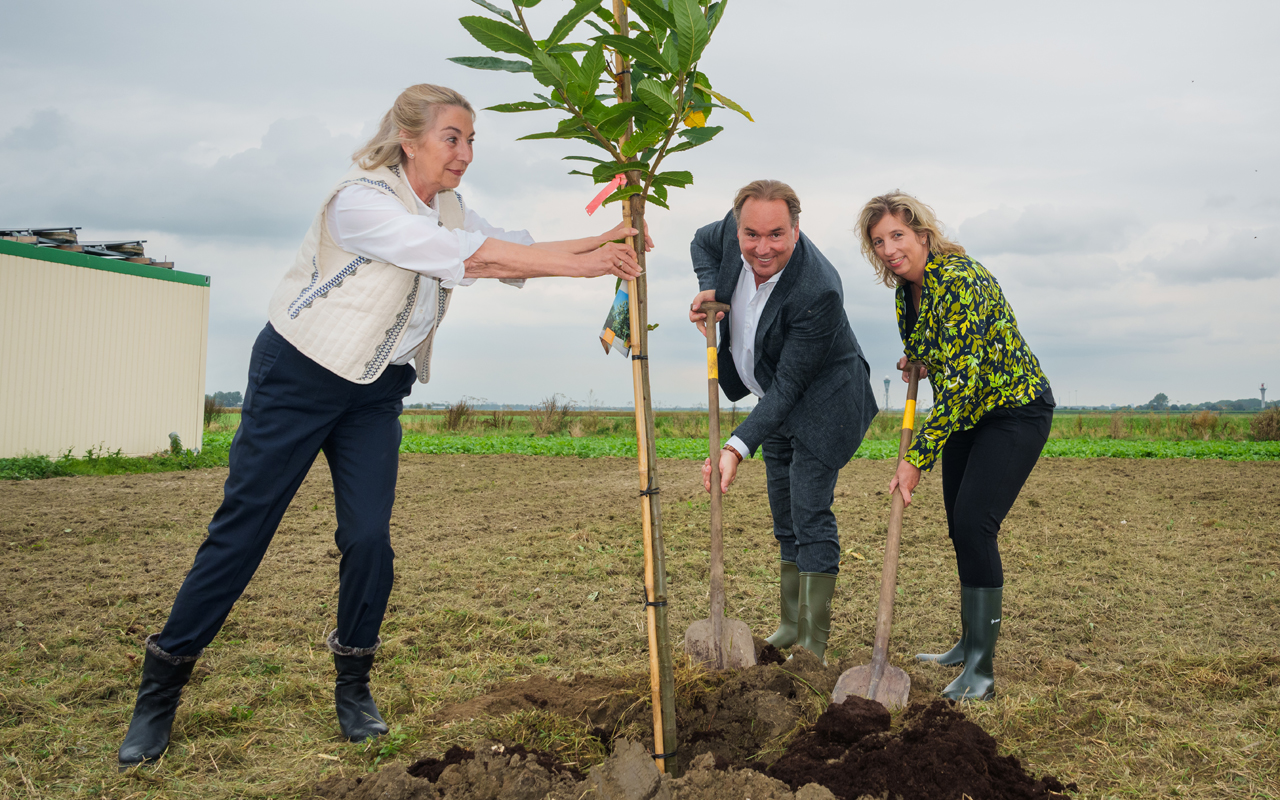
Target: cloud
1241,255
1040,229
108,181
47,130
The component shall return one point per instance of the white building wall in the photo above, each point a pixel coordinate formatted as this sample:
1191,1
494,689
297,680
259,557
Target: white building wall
93,358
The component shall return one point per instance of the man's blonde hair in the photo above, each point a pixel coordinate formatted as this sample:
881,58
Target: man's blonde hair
912,213
413,112
765,191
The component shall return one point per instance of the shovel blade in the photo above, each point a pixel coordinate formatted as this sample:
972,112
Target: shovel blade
891,692
736,646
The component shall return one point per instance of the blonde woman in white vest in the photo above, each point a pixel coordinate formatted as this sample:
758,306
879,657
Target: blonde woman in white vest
370,285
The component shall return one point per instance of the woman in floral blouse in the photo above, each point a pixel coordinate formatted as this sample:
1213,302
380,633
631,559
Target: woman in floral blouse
992,408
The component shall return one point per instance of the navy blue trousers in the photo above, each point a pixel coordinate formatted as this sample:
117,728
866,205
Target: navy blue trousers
801,491
983,469
293,409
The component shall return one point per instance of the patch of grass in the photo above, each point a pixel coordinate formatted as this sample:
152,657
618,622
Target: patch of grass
569,740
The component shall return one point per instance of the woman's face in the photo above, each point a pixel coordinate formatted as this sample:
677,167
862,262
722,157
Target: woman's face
440,156
903,250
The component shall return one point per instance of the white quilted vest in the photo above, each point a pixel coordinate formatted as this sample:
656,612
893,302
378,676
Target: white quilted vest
347,312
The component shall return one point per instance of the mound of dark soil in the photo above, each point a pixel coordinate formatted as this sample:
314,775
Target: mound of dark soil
728,737
939,755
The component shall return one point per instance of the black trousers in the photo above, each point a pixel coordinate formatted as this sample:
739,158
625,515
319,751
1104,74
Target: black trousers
293,409
801,490
983,469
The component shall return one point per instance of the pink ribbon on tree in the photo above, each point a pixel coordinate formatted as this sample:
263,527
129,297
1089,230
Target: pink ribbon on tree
618,181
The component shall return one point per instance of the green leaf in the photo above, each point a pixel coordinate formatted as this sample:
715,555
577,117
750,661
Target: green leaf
726,101
572,47
526,3
694,137
658,196
641,140
657,97
551,101
495,9
714,14
596,25
587,158
635,47
625,191
593,68
613,123
653,13
569,128
691,25
492,62
519,105
607,171
579,172
547,71
678,178
570,21
499,36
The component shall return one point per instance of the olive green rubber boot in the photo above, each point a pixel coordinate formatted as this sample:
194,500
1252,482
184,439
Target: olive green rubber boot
954,656
981,609
786,634
814,620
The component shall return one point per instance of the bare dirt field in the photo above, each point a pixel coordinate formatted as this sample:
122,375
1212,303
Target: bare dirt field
1138,655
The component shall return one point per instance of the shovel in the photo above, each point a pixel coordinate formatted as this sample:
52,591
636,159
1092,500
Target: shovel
717,642
879,681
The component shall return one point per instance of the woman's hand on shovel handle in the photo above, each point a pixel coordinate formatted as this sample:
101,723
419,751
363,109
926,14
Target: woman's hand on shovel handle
906,376
699,317
905,480
728,471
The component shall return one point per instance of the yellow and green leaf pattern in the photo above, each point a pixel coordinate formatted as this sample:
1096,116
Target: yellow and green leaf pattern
968,338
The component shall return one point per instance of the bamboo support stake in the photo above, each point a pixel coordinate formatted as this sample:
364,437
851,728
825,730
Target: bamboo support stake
661,676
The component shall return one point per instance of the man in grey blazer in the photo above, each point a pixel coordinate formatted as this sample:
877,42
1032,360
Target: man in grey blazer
787,341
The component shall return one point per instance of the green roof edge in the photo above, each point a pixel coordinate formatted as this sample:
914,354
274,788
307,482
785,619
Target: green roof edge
23,250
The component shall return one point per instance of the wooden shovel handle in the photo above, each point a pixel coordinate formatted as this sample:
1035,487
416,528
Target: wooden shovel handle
713,441
889,574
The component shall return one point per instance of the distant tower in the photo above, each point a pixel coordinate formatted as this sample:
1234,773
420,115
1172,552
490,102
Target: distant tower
1264,395
886,393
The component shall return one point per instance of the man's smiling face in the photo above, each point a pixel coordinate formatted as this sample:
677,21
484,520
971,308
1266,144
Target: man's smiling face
766,236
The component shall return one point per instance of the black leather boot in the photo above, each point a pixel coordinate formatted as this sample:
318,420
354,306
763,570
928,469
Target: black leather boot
786,634
357,713
954,656
163,677
982,608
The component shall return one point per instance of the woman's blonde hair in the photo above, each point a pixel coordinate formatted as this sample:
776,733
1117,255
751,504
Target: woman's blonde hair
413,112
916,215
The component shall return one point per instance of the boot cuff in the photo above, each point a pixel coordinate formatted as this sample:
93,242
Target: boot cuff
154,649
343,650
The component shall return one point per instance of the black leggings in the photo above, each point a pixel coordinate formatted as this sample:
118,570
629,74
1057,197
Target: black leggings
983,469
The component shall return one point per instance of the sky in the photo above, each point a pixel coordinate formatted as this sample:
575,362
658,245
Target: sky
1114,165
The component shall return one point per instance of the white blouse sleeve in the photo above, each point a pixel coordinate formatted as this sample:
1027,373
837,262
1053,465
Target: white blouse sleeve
368,223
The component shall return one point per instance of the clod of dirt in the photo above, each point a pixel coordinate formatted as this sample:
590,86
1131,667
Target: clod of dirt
940,755
492,771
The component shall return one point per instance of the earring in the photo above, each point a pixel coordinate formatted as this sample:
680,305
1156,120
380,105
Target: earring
409,154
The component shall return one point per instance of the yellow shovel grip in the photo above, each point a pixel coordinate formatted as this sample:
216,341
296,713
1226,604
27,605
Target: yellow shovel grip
909,415
713,370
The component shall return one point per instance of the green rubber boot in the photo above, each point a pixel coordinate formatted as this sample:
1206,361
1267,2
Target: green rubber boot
981,608
814,620
786,634
954,656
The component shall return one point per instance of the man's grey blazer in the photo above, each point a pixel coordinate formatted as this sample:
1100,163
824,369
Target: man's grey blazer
816,381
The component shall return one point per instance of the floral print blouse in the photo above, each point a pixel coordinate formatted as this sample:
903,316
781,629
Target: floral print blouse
967,336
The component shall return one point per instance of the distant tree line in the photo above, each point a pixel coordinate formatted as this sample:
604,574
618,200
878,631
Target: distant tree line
226,399
1161,403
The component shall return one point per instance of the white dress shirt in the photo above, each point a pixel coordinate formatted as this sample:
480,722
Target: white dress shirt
745,308
365,222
